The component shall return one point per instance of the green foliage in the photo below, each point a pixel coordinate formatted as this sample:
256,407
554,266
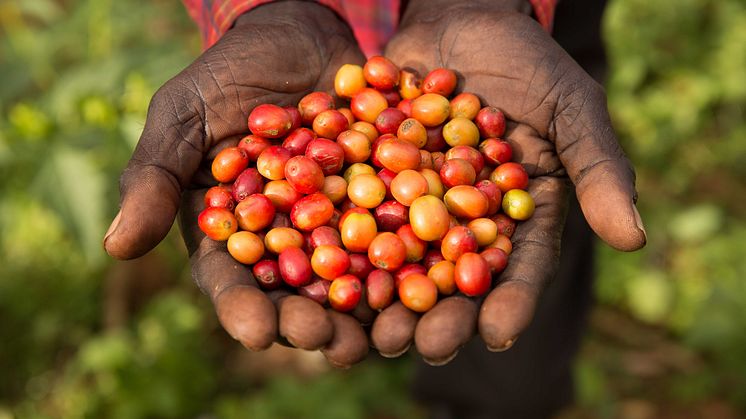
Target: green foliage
677,93
77,77
76,84
370,390
155,369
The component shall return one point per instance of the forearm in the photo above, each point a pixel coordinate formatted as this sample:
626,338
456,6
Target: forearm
304,14
427,10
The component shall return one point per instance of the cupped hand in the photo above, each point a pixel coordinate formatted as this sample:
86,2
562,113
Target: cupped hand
276,54
561,134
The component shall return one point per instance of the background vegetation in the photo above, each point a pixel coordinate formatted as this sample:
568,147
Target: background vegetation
83,336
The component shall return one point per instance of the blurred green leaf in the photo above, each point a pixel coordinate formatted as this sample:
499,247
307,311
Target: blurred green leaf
649,296
46,11
107,353
29,122
592,387
697,223
74,187
365,391
97,111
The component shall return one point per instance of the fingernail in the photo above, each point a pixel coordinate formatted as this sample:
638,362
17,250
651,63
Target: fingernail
395,354
440,362
112,227
505,346
638,221
339,365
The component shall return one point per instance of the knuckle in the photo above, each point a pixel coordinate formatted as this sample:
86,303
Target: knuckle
596,94
173,137
178,102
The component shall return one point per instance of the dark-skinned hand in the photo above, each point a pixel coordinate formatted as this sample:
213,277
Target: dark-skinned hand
561,134
276,53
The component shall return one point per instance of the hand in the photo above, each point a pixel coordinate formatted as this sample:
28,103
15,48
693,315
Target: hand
276,54
562,130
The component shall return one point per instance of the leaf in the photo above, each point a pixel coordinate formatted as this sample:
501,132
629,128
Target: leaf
106,353
696,223
650,296
73,187
46,11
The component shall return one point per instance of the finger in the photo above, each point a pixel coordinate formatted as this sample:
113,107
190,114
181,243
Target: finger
443,330
362,311
304,322
393,330
168,154
509,307
247,315
536,154
177,137
244,311
554,95
301,321
603,177
349,344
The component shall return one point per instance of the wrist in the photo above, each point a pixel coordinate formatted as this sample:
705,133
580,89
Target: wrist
309,16
431,10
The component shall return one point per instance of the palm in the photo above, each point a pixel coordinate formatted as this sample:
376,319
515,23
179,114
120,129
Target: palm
256,64
519,70
560,127
275,54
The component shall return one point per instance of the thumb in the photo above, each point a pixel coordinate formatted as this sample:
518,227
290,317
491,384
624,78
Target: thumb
166,157
603,177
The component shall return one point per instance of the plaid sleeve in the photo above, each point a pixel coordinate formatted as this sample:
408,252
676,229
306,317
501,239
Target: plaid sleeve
373,21
544,11
215,17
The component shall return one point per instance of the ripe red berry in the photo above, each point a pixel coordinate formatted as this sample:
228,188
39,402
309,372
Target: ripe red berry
270,121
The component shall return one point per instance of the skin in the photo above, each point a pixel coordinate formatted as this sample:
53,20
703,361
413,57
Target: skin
562,135
276,53
349,345
279,52
393,330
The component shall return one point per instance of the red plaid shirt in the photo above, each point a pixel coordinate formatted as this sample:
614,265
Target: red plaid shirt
372,21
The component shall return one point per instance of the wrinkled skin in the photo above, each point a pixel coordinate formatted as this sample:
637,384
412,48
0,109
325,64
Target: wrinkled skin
279,52
276,53
562,135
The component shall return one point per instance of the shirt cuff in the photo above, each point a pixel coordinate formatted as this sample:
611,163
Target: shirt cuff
215,17
544,12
